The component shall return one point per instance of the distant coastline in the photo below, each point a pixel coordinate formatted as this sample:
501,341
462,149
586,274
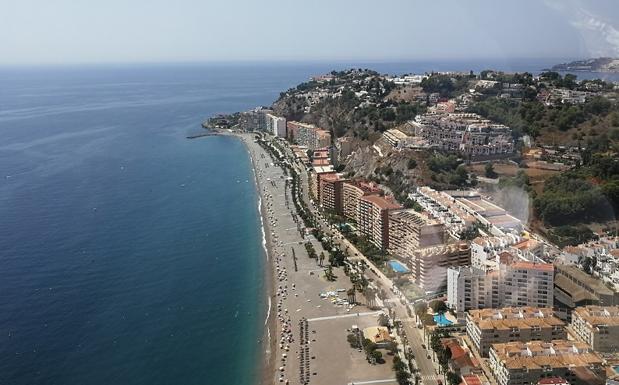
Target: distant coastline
601,65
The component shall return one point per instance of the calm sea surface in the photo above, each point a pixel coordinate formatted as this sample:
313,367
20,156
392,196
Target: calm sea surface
129,254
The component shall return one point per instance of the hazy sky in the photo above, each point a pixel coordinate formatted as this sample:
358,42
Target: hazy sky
90,31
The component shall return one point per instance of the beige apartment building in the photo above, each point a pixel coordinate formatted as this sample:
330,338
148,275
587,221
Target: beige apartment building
351,193
520,363
331,194
486,327
429,265
410,230
373,220
598,326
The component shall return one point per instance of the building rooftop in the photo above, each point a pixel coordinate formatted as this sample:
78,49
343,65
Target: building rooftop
514,317
599,315
383,203
417,217
539,355
377,334
323,169
575,273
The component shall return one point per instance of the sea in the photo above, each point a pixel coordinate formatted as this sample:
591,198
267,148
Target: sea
130,254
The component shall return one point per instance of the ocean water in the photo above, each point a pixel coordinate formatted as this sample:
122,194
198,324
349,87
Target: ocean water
128,253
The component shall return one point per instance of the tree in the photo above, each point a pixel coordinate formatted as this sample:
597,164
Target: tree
421,308
438,306
353,340
453,378
489,171
383,319
403,377
398,364
427,319
412,163
377,355
444,355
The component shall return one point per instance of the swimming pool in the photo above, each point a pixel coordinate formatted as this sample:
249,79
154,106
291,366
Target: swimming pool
616,369
441,320
398,267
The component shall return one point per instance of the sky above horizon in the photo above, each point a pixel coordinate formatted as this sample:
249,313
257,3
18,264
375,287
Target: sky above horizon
126,31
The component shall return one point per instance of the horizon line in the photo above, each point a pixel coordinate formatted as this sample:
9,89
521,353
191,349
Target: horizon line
352,61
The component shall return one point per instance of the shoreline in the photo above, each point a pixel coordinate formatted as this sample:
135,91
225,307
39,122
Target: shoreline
266,364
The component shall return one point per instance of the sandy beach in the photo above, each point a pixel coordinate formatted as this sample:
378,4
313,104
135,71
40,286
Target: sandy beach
305,333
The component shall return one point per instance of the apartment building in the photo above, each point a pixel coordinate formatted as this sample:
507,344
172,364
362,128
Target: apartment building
373,218
486,327
352,191
395,138
254,120
410,230
429,266
507,281
520,363
465,133
598,326
574,288
331,196
276,125
305,134
315,175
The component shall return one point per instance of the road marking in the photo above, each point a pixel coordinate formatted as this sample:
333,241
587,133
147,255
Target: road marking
344,316
373,382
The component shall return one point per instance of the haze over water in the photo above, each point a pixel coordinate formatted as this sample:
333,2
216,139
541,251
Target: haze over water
128,253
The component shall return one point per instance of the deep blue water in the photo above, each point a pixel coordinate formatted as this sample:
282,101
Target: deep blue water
129,254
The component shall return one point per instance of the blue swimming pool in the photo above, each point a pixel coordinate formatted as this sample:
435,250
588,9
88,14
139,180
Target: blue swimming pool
441,320
398,267
616,369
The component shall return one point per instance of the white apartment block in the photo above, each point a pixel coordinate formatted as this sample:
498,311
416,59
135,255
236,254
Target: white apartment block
276,125
508,281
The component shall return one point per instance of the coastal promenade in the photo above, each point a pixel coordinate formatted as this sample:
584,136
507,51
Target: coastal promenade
394,298
306,337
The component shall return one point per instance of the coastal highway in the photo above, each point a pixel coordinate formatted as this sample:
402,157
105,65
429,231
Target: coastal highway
414,335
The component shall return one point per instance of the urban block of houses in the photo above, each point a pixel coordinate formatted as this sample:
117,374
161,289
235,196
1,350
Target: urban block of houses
521,363
465,133
486,327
